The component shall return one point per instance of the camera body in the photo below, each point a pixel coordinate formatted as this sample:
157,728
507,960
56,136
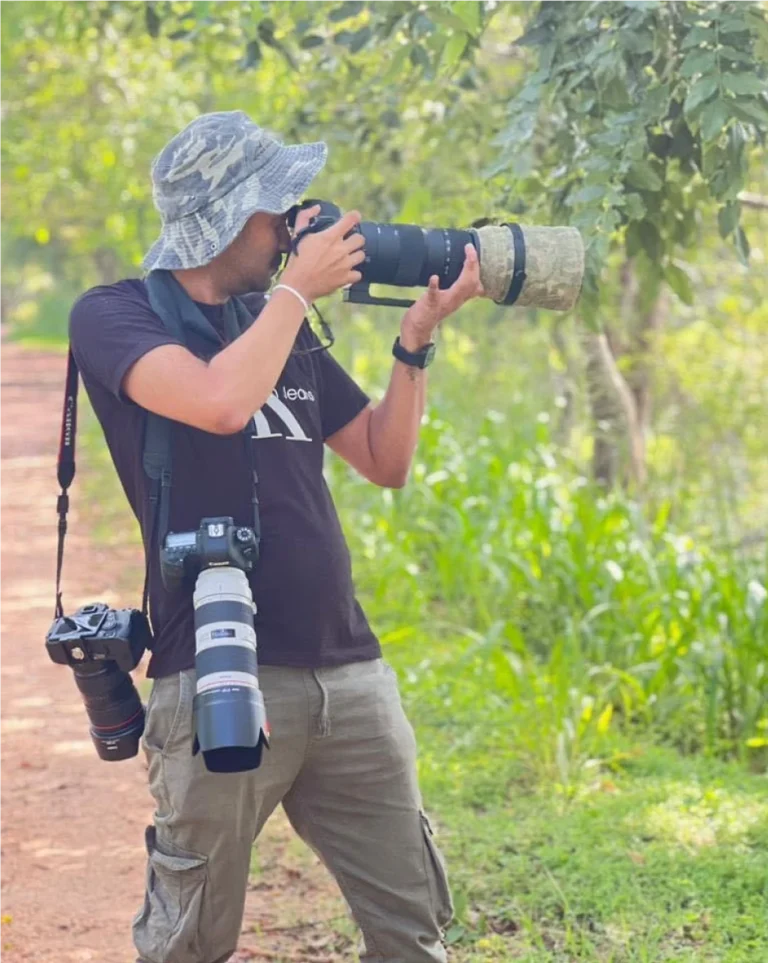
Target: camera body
218,541
97,633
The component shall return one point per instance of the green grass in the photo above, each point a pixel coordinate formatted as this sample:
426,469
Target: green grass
599,847
651,857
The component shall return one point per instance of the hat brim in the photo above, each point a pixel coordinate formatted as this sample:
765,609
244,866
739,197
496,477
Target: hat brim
196,239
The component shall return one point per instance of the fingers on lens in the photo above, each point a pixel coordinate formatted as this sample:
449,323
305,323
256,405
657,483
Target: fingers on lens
350,219
354,242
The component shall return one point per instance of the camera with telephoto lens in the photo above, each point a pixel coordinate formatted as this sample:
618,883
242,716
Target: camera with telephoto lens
230,718
525,265
218,541
102,645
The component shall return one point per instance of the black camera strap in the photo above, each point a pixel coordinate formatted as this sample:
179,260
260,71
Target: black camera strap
180,314
66,468
66,473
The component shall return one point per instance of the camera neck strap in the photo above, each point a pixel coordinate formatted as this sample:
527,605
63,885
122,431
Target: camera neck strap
65,472
65,469
180,315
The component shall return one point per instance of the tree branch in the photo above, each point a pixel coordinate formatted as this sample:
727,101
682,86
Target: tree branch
748,199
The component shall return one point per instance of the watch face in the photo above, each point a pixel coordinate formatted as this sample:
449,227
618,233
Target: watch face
429,355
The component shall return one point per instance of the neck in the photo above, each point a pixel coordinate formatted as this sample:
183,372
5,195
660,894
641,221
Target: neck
201,285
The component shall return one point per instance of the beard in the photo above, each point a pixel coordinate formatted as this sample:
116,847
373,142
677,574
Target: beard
260,281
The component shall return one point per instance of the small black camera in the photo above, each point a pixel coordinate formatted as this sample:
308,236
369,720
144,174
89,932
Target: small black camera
102,645
218,541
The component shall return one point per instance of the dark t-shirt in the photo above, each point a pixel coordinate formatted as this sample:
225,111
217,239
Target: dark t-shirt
307,613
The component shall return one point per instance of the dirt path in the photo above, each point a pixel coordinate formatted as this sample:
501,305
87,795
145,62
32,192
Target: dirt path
72,825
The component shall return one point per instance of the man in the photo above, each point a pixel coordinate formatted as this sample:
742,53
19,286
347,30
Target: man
342,755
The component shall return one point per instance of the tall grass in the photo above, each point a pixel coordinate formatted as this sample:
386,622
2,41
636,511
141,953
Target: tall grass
552,608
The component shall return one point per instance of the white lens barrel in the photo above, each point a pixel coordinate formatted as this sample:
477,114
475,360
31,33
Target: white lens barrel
229,708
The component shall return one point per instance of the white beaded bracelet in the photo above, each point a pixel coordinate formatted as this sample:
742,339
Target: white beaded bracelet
293,291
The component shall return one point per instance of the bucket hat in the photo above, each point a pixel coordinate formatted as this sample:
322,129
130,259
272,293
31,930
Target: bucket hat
213,175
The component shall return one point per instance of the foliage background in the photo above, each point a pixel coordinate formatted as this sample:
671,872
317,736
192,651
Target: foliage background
573,583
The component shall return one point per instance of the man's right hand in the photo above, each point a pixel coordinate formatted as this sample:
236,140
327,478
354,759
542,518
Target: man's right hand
326,261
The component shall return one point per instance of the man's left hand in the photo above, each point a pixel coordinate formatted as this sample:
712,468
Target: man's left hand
421,319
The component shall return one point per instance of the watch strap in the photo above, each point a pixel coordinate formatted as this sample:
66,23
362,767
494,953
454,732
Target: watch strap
416,359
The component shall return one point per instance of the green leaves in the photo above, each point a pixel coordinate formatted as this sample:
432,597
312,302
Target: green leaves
591,192
252,55
713,120
728,218
752,112
469,12
354,40
152,20
642,176
419,56
744,83
634,207
700,92
645,236
679,281
742,246
311,40
698,62
698,36
345,11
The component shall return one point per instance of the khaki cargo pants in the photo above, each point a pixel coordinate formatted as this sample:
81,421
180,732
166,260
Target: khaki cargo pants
343,764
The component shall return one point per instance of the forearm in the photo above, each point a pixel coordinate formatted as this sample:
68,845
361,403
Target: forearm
393,430
246,371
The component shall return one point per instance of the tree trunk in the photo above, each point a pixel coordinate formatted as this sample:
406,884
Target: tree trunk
620,406
606,415
565,381
629,411
640,373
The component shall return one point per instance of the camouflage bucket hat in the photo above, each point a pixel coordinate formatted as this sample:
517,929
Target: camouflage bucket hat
213,176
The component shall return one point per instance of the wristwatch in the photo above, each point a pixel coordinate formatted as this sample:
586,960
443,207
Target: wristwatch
417,359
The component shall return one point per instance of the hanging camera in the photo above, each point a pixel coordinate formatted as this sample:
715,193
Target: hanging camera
102,645
230,718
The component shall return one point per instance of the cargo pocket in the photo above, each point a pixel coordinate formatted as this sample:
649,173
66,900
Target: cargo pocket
439,889
169,928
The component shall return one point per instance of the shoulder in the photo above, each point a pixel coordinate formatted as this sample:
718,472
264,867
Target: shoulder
130,290
122,300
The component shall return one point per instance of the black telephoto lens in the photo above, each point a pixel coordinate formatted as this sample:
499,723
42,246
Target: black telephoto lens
113,706
407,256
